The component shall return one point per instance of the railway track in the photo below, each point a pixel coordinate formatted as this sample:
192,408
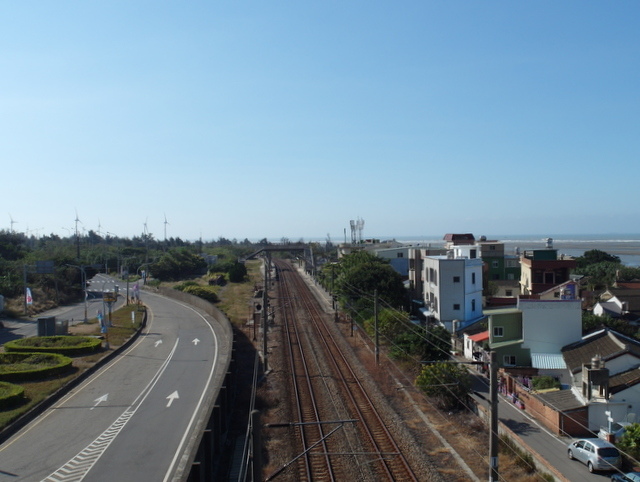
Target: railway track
301,314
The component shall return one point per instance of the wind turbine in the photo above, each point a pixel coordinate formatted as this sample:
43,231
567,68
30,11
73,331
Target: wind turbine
165,227
12,222
77,236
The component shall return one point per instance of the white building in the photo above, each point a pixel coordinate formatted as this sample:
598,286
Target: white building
452,287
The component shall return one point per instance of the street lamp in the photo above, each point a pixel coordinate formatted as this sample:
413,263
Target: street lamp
83,279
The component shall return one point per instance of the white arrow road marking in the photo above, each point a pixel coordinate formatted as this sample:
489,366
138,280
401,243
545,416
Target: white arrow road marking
99,400
159,342
172,397
79,466
195,341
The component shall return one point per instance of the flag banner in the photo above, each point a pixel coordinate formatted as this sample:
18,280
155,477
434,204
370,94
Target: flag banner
29,297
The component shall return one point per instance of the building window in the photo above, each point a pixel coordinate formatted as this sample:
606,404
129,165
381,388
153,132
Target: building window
400,255
509,360
473,305
510,276
498,332
508,293
473,278
456,306
456,279
492,247
472,253
495,264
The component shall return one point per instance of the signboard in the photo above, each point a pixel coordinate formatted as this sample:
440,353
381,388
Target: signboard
109,296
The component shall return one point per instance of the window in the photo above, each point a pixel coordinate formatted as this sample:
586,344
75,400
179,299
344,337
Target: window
495,264
473,305
508,293
472,254
456,279
456,306
473,278
492,247
509,360
400,255
510,276
498,331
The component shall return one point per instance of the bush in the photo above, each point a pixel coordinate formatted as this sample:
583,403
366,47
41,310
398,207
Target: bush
10,395
32,366
545,382
185,285
63,345
203,292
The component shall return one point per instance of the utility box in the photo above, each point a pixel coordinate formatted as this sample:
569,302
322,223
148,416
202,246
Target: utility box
62,327
47,326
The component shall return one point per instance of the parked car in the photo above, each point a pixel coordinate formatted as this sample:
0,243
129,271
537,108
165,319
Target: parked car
596,453
630,477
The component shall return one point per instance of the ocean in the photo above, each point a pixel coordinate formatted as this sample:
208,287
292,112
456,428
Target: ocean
625,246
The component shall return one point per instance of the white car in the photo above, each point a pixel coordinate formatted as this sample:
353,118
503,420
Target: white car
596,453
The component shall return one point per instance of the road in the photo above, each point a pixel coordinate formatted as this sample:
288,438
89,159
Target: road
133,419
551,448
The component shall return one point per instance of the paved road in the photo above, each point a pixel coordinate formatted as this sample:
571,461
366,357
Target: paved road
550,447
132,420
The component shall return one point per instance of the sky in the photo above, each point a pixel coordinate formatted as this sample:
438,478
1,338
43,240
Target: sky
289,119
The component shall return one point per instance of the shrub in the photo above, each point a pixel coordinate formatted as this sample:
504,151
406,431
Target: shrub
203,292
64,345
10,395
545,382
32,366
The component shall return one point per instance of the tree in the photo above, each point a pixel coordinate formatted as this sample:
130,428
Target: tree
433,344
448,383
237,273
595,256
630,441
391,323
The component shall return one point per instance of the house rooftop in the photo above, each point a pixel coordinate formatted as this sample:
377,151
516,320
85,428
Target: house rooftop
606,343
631,296
561,400
466,238
624,380
478,337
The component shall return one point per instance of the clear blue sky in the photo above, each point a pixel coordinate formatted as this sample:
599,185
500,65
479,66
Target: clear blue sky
288,119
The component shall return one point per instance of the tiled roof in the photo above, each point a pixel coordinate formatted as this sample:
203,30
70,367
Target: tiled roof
561,400
632,297
606,343
624,380
482,336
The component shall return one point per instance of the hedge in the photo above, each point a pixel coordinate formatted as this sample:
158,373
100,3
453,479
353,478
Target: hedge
10,395
63,345
32,366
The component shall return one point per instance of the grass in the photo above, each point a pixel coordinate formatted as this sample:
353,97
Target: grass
34,393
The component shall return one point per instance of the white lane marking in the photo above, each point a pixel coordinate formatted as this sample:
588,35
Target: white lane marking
79,466
195,341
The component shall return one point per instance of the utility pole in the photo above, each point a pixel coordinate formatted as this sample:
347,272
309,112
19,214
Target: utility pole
493,432
265,299
375,319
